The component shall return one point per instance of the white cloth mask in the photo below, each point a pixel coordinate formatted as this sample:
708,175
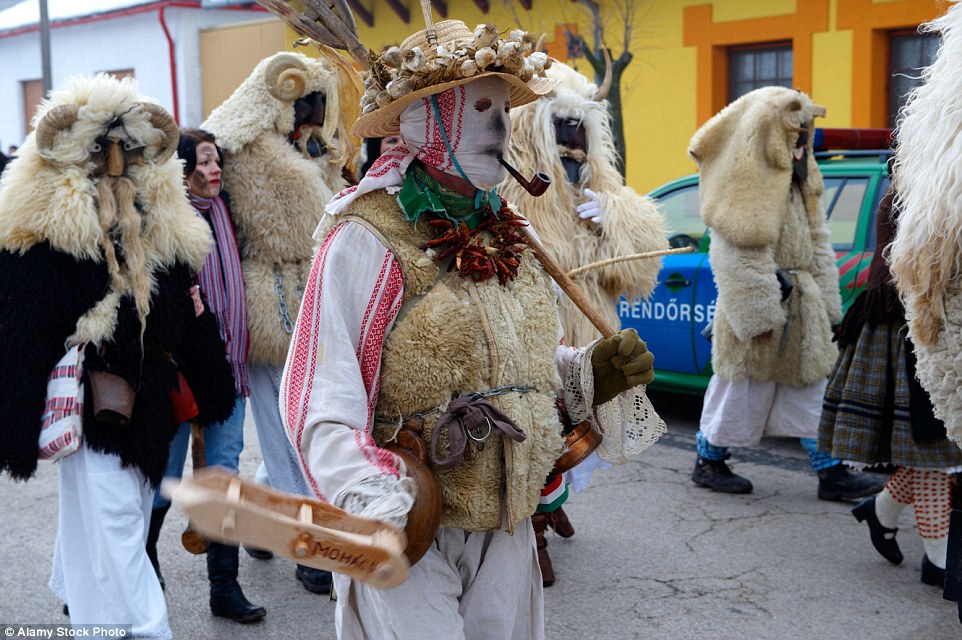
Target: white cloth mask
477,125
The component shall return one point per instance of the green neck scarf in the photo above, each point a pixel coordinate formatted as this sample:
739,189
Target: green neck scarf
423,194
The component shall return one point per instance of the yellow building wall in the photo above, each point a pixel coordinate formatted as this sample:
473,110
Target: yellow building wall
248,44
678,76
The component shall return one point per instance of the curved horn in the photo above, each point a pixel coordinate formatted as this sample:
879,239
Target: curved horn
162,120
605,87
285,78
55,120
539,46
791,124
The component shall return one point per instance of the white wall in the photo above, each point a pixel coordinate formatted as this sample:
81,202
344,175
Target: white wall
136,42
185,26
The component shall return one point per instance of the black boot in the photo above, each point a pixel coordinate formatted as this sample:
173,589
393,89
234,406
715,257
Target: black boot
226,598
718,476
838,483
259,554
931,574
153,534
314,580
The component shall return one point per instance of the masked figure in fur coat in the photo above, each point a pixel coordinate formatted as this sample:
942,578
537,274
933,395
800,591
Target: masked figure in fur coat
926,254
98,246
283,133
587,215
777,288
426,310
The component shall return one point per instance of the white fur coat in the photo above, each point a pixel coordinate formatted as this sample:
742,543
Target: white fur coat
631,222
760,223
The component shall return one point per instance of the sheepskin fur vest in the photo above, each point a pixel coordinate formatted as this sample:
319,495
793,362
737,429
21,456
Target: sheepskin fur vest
454,335
277,197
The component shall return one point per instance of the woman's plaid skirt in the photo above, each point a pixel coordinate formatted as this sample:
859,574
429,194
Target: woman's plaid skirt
867,414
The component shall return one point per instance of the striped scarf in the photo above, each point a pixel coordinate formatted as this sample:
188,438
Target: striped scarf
222,282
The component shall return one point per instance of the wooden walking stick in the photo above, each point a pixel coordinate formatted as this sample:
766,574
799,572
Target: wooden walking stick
571,289
536,187
191,538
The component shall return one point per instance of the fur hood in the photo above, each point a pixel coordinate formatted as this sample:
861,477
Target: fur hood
277,193
49,195
744,154
265,100
925,257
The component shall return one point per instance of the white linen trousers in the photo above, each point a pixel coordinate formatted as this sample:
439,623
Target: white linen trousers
100,565
479,585
738,414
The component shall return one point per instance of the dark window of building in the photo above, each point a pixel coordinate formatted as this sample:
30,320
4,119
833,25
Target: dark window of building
753,67
909,53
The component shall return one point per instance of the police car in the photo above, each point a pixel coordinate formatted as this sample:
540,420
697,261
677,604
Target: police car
854,167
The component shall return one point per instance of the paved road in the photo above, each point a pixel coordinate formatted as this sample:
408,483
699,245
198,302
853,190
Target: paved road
654,557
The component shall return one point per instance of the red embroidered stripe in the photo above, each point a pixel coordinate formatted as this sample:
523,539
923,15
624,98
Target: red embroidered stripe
302,365
381,310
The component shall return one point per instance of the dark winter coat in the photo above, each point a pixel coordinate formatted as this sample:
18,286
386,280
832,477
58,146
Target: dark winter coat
43,292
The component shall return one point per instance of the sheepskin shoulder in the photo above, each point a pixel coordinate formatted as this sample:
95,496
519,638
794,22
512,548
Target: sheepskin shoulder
744,154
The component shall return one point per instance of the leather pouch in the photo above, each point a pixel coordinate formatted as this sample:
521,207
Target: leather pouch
113,397
424,518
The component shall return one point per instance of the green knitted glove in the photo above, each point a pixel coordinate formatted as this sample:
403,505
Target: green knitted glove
620,363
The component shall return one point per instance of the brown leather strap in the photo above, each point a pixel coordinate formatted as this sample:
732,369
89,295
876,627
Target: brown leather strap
470,417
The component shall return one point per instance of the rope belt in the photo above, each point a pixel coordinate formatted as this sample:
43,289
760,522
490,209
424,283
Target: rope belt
468,417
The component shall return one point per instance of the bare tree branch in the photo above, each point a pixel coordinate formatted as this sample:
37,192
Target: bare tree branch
599,31
509,5
628,10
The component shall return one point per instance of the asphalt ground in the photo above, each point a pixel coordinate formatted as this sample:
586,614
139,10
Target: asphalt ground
654,556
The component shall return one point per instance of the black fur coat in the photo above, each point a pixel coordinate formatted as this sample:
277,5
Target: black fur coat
43,292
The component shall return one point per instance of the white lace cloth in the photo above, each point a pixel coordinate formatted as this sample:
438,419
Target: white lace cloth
382,497
628,421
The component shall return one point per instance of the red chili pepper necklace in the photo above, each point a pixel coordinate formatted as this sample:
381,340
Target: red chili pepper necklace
493,248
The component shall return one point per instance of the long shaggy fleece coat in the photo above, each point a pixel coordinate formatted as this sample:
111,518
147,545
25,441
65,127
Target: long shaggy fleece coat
761,222
53,271
277,195
631,223
926,255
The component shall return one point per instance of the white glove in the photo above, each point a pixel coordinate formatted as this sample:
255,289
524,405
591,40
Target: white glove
590,210
382,497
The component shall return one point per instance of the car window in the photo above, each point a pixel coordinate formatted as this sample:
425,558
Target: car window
842,202
680,208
